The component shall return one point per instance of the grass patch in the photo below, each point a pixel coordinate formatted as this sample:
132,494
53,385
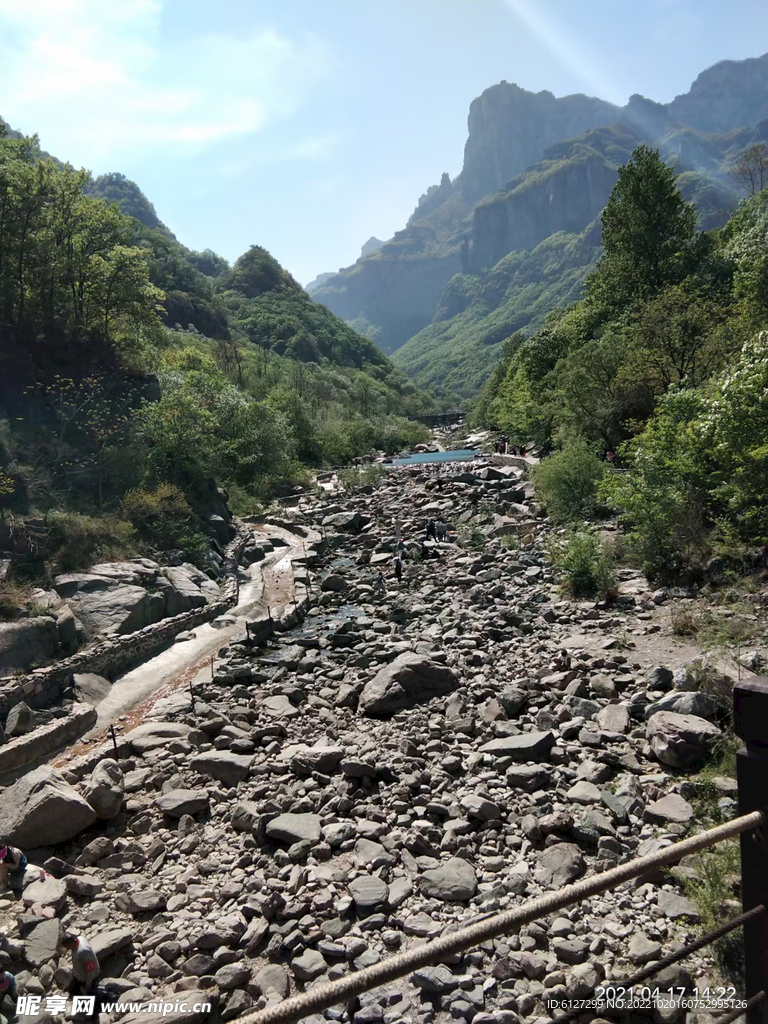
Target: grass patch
716,894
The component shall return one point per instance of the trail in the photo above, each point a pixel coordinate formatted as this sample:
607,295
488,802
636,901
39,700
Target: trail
265,584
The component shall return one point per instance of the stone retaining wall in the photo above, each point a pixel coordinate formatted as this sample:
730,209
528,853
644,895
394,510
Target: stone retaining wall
115,654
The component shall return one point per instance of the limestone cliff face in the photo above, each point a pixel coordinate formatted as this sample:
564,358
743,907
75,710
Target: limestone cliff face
395,293
728,95
566,197
510,128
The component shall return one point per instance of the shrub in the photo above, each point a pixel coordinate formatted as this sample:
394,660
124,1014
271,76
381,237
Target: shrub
78,541
567,482
586,563
162,517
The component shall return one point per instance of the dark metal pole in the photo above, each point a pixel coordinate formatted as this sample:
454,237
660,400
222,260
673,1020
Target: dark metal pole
750,721
114,738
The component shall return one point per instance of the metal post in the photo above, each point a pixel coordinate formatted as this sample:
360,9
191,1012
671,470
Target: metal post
114,739
750,721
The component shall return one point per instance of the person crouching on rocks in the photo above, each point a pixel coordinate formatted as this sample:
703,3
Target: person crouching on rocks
85,964
13,864
7,988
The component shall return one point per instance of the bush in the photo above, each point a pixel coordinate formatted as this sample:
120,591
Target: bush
79,541
567,482
586,562
162,517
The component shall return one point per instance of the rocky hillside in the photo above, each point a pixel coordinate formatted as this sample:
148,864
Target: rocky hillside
536,166
391,769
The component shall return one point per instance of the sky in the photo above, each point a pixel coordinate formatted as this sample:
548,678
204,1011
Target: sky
307,126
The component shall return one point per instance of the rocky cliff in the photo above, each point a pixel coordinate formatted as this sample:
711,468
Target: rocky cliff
536,166
510,128
728,95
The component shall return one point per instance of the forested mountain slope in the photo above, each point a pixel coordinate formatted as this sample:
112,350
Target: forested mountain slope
130,365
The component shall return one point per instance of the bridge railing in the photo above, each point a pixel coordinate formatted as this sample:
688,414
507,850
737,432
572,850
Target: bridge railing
750,714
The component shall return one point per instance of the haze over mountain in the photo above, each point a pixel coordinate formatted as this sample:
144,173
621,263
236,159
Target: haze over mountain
514,234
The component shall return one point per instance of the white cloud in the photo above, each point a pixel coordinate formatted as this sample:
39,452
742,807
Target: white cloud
96,78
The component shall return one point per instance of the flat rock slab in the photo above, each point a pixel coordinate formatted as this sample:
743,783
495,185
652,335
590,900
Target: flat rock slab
153,735
451,882
528,746
176,802
673,905
670,808
108,942
42,943
293,828
223,765
409,679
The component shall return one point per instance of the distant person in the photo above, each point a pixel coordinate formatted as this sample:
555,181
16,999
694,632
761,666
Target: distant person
379,585
610,456
397,565
441,529
13,864
431,534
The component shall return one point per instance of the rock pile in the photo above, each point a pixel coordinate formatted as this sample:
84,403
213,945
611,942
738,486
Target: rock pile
386,772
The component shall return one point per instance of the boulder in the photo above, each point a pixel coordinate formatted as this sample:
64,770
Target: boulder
155,734
183,593
42,804
46,892
334,583
685,703
20,720
453,881
27,642
559,865
177,802
114,608
670,808
368,891
223,765
42,943
680,741
527,746
105,791
294,828
409,679
90,687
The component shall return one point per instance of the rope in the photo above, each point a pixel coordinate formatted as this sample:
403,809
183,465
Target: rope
739,1012
673,958
334,992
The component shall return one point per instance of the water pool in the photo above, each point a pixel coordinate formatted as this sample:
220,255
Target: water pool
418,458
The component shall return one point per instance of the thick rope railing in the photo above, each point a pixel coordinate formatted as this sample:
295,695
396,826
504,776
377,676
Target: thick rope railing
335,992
732,1015
673,958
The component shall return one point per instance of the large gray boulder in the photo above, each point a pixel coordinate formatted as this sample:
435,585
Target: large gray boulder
527,746
20,720
27,643
223,765
114,608
105,791
177,802
294,828
182,592
410,679
450,882
680,741
699,704
42,808
153,735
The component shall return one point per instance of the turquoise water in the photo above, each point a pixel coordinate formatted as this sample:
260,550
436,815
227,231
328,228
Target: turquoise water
462,455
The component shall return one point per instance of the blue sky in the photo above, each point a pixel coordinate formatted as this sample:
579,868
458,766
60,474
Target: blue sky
307,126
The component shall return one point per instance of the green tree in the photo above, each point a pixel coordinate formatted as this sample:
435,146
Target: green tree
648,234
